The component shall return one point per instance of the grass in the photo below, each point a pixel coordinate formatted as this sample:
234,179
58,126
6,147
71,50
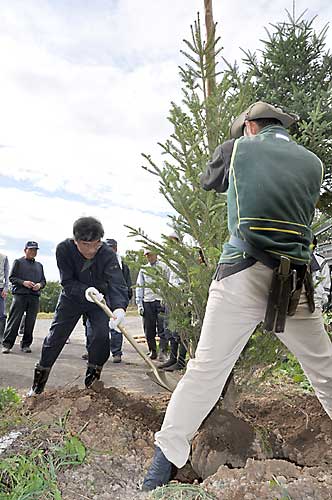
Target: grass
180,491
33,475
8,397
43,315
291,368
10,417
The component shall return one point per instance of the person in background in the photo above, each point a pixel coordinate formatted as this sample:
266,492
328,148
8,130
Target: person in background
178,351
4,274
27,279
150,308
116,335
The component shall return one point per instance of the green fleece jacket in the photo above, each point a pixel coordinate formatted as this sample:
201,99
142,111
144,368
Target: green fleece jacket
273,187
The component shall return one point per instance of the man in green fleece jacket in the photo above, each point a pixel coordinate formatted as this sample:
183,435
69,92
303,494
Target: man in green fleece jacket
272,186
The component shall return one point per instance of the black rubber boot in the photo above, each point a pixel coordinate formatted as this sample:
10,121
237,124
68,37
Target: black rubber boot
182,354
39,380
152,345
175,367
92,374
163,345
159,473
167,363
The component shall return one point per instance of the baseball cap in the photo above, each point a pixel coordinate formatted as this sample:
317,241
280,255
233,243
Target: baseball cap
258,110
32,244
146,251
111,242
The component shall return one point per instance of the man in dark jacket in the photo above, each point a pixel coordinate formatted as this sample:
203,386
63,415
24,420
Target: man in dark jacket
27,278
85,263
116,336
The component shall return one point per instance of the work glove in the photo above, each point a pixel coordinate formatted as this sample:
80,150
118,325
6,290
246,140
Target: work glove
99,296
140,310
119,316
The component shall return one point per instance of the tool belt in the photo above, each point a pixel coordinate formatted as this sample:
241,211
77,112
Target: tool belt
284,294
286,286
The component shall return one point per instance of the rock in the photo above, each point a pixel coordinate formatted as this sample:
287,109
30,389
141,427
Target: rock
83,404
140,443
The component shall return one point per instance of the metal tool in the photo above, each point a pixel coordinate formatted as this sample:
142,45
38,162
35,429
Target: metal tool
165,380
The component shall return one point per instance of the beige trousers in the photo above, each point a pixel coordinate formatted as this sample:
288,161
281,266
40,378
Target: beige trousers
235,306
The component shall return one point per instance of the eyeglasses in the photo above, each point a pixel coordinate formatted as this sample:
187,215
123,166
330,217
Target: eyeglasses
90,244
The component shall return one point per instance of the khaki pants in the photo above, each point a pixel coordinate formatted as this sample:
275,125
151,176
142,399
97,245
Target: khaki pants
236,305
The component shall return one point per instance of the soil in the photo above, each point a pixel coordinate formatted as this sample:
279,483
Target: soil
117,429
275,445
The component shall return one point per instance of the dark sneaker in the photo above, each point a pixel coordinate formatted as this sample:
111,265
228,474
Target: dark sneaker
116,358
152,355
159,473
26,349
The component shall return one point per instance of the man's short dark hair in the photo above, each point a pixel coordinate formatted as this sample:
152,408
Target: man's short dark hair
88,229
264,122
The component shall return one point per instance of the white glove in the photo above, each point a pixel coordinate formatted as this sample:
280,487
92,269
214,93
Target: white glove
140,310
119,316
99,296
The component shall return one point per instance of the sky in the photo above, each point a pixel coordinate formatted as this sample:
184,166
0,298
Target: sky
86,87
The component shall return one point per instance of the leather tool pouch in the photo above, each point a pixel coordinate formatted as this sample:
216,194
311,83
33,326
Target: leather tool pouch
299,276
279,297
309,290
285,293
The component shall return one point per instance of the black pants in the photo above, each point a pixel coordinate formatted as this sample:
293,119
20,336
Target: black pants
67,315
21,304
153,323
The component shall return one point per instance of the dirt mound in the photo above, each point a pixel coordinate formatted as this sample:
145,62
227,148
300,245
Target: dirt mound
301,426
118,429
106,419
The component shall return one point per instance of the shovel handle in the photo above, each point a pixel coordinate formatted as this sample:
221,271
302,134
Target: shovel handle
130,339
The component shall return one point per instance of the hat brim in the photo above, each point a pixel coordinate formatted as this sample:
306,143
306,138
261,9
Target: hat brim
286,120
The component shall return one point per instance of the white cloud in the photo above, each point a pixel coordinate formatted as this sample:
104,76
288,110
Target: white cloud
85,88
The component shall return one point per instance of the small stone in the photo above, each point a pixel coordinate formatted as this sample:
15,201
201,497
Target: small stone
83,403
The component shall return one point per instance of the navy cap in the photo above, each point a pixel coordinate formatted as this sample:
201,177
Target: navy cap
32,244
111,242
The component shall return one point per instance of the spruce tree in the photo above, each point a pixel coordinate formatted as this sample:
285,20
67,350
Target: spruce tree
294,70
198,217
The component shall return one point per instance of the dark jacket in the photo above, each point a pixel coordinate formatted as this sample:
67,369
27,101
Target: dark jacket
26,270
102,272
127,277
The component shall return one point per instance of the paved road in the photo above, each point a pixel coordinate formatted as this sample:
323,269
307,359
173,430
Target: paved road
16,368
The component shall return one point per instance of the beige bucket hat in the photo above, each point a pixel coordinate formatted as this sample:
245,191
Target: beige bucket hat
261,109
